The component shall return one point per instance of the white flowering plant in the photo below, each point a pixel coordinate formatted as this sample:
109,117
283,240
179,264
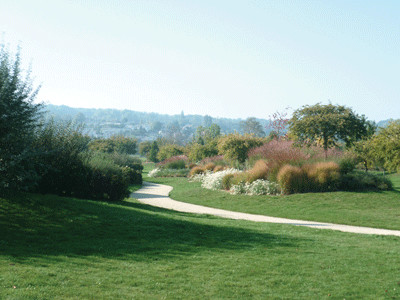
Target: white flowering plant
257,187
154,173
213,181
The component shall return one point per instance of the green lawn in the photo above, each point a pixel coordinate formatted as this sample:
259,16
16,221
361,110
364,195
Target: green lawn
63,248
372,209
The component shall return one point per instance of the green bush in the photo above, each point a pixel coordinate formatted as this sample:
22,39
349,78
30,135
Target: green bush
359,180
347,164
175,162
235,147
60,160
168,151
227,181
107,180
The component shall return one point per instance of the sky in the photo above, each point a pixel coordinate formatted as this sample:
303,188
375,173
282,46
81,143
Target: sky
226,59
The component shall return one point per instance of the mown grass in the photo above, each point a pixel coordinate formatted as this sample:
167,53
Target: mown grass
64,248
370,208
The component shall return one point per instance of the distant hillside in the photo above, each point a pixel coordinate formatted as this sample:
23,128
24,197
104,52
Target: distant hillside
383,123
142,125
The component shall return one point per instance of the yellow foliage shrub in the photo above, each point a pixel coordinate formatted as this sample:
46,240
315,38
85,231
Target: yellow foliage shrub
292,179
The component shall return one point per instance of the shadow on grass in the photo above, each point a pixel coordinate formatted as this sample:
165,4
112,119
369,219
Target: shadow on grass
38,225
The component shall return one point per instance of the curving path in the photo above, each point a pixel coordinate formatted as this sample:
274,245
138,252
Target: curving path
158,195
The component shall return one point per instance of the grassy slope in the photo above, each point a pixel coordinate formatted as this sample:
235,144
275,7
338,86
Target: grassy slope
61,248
372,209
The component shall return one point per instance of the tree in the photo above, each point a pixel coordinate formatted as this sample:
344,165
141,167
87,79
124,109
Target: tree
204,135
327,125
18,117
385,146
144,148
207,121
278,123
252,126
168,151
153,152
234,147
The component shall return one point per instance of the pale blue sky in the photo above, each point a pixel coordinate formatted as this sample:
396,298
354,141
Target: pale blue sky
234,59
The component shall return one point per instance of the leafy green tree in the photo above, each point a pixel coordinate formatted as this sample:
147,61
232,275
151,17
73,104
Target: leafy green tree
385,146
118,144
168,151
207,121
144,148
252,126
234,147
196,152
205,134
156,126
327,125
19,117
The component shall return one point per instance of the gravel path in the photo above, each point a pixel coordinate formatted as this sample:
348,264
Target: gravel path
157,195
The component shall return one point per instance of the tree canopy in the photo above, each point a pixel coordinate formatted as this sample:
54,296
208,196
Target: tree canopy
18,116
252,126
327,125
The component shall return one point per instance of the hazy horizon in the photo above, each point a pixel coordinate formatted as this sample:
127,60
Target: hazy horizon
227,59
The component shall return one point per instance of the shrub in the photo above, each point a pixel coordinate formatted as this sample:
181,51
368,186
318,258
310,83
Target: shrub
239,178
323,176
235,147
227,181
154,173
218,160
168,151
209,167
123,159
107,180
196,170
198,152
60,160
158,172
108,186
277,153
358,180
347,164
213,181
218,168
175,162
292,179
259,171
257,187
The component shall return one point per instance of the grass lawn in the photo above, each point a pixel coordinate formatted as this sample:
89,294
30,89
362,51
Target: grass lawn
64,248
371,209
